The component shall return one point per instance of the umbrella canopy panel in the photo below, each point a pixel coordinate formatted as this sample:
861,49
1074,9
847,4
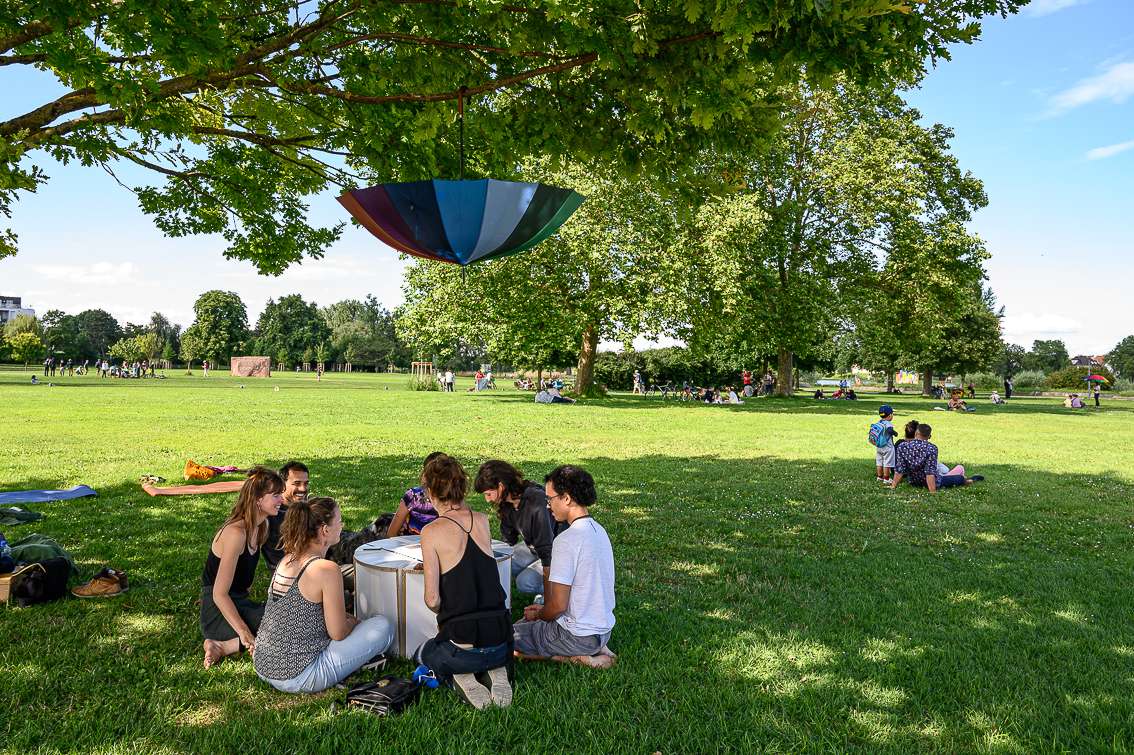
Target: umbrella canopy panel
461,221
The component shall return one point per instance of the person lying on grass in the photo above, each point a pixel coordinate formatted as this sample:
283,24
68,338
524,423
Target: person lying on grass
522,508
462,585
297,484
307,641
577,617
917,459
229,619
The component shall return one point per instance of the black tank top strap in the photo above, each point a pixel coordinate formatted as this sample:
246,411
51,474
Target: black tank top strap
454,521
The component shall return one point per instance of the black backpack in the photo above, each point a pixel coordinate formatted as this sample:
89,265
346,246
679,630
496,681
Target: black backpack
385,697
44,584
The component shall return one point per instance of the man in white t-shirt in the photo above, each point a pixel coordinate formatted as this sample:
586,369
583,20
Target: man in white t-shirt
577,617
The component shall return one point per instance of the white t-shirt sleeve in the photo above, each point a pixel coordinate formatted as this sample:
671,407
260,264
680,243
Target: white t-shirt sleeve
564,559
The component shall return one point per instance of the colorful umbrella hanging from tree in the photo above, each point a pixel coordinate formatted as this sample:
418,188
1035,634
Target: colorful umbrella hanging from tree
461,221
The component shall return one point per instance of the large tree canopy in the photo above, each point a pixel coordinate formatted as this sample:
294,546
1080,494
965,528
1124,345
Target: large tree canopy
850,181
244,109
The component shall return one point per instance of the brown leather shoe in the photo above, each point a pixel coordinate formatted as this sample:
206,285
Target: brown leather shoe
106,584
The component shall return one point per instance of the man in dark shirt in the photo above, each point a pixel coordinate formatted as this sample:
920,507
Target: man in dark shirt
295,477
917,460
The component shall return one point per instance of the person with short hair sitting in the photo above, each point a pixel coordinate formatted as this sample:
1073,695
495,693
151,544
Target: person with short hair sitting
577,617
917,459
307,640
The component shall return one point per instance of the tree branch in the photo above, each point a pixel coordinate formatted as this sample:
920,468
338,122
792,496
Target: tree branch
310,88
431,42
28,33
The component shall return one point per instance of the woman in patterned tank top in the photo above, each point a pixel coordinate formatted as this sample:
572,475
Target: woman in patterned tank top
307,640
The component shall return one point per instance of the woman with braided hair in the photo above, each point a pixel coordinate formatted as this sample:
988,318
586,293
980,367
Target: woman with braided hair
307,640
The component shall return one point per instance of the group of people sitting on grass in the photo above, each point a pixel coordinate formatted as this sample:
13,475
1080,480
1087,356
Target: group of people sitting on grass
912,457
304,638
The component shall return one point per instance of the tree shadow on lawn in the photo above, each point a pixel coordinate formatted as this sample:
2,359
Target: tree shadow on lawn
761,604
866,405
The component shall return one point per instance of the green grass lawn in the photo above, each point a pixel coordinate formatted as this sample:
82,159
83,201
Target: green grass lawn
771,595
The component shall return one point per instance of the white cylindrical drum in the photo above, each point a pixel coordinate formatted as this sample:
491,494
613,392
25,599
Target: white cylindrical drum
387,582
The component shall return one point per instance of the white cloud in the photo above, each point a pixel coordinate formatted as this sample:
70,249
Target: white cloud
96,274
1027,327
1098,153
1116,84
1046,7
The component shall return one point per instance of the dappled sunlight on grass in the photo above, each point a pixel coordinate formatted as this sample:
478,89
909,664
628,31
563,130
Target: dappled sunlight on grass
771,595
884,650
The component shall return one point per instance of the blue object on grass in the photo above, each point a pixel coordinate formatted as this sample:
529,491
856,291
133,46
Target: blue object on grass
46,496
424,676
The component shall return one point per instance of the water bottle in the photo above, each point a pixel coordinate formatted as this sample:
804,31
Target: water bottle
425,677
538,600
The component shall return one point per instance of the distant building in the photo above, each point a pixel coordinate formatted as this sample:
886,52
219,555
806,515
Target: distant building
1084,360
11,308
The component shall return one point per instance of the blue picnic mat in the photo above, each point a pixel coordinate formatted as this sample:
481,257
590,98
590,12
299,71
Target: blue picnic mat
45,496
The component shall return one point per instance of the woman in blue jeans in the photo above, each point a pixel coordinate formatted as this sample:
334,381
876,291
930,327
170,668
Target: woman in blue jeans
462,585
307,641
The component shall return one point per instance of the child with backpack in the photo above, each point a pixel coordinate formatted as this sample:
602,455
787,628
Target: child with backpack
881,437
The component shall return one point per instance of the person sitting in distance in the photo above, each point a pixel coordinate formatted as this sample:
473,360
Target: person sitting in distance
575,622
307,641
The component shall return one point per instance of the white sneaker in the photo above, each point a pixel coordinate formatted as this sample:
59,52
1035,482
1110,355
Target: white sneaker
474,693
501,688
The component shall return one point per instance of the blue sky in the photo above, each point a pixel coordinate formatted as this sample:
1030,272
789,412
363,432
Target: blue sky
1042,107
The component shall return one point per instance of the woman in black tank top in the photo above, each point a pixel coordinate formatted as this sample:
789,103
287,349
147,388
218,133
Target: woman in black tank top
229,619
462,584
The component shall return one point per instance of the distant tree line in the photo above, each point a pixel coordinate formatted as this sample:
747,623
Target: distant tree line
290,330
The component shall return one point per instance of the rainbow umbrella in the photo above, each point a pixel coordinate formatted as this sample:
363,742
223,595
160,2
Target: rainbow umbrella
1098,378
461,221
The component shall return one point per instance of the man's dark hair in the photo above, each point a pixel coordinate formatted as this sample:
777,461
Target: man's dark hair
298,466
911,429
925,431
575,482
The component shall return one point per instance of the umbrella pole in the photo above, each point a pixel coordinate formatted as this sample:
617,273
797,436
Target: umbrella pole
461,121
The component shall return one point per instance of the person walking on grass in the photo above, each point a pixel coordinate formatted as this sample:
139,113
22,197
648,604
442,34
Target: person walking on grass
917,459
575,622
307,641
1096,390
229,618
462,586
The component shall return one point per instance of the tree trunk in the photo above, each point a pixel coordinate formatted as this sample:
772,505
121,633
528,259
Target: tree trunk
539,379
927,381
783,374
890,379
584,380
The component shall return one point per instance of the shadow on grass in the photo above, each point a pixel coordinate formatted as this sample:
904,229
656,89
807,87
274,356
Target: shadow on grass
801,404
762,604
